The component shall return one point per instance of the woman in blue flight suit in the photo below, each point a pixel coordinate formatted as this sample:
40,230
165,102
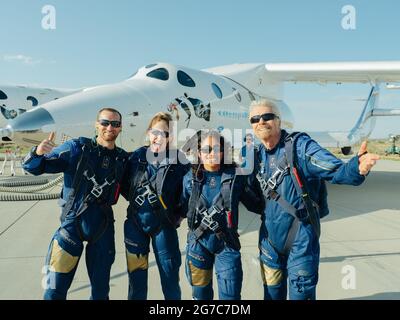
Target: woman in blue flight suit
152,186
211,194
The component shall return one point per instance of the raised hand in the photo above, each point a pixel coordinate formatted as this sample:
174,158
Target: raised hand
366,160
46,146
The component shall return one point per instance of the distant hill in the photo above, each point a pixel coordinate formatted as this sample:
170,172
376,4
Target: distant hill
377,146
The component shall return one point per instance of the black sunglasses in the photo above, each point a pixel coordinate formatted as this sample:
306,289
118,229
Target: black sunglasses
156,132
264,116
208,149
106,123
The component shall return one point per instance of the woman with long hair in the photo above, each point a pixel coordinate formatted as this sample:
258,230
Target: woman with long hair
153,186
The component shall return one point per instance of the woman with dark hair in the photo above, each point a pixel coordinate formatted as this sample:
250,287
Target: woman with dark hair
211,194
153,186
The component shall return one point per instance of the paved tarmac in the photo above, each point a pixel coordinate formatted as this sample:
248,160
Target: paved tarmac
360,245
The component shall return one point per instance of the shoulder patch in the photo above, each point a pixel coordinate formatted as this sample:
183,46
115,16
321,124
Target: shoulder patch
325,165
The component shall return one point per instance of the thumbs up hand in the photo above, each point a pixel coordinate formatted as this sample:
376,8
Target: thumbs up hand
366,160
47,145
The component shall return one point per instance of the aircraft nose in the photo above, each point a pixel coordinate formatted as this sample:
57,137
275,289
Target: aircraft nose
31,127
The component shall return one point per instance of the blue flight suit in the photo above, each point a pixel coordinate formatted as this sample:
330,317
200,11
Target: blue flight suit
94,223
247,153
221,246
300,265
157,222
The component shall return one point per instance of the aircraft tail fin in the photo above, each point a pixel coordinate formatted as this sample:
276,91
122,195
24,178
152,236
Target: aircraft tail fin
362,128
366,121
360,131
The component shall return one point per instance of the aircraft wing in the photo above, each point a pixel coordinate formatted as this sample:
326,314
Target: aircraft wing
259,77
323,72
333,139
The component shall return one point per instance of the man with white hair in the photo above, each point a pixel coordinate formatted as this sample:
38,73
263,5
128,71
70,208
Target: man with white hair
291,171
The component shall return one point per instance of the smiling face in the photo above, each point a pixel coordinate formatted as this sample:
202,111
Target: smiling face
159,136
106,132
265,130
211,153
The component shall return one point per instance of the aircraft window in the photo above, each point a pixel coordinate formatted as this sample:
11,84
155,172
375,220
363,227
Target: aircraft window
216,90
34,101
160,73
195,102
237,95
3,96
151,65
185,80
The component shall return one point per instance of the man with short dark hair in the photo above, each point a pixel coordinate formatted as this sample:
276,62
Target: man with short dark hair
246,152
92,170
292,170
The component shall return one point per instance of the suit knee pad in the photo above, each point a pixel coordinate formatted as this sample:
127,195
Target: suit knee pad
271,276
60,260
137,261
197,276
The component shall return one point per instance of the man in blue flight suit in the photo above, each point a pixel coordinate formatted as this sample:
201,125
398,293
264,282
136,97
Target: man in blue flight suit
247,152
92,170
292,170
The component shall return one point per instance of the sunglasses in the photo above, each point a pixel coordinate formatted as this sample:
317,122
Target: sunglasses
157,133
208,149
264,116
106,123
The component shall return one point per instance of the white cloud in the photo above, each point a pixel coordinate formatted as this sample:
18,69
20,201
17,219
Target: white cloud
20,58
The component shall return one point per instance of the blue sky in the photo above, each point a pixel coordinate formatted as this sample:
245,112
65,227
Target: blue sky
98,42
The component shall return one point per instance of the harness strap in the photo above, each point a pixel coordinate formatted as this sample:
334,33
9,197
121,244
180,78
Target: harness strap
206,218
160,205
153,190
137,178
307,210
193,201
101,230
82,164
300,186
96,194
